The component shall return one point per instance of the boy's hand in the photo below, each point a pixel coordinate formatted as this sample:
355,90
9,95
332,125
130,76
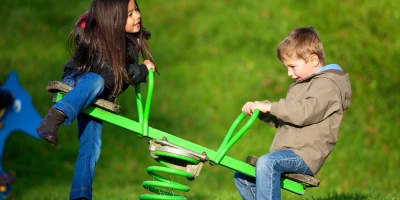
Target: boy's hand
249,107
149,65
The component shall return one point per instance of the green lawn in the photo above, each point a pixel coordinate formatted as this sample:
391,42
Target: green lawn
213,56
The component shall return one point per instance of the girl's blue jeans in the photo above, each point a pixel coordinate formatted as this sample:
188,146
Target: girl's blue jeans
269,168
86,87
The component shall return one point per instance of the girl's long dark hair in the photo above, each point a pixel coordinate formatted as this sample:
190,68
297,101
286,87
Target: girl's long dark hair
103,39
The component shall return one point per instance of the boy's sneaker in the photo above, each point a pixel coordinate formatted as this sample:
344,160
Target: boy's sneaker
49,126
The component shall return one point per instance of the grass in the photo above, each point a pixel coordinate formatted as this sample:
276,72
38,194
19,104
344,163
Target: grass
213,57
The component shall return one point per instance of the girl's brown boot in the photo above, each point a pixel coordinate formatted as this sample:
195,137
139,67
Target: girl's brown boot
49,126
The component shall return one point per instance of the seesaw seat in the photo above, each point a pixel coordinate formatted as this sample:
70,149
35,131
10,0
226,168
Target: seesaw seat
306,180
57,86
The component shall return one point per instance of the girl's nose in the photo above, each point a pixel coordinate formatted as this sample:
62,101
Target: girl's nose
137,14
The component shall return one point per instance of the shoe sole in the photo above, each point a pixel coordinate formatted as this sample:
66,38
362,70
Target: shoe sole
48,138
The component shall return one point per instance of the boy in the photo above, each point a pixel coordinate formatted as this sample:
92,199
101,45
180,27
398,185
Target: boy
307,120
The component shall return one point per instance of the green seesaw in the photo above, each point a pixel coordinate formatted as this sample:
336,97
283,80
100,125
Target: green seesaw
176,155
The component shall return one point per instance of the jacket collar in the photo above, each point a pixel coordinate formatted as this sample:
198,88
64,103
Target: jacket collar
331,68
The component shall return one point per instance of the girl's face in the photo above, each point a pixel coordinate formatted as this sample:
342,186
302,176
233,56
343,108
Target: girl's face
133,22
299,69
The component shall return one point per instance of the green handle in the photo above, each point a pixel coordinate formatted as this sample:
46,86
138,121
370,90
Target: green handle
139,103
144,114
228,141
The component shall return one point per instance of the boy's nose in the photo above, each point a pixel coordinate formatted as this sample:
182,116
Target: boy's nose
289,73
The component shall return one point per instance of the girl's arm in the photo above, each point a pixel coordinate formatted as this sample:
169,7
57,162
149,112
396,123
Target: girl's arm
137,73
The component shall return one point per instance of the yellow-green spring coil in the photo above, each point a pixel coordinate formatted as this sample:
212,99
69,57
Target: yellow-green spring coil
160,186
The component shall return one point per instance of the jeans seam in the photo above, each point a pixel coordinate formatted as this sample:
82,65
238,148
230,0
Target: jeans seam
76,114
69,106
90,151
273,178
251,190
297,161
303,166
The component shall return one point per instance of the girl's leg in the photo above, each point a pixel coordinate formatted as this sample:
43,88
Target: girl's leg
88,86
246,185
269,169
88,155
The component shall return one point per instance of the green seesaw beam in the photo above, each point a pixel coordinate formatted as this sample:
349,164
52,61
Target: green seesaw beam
219,157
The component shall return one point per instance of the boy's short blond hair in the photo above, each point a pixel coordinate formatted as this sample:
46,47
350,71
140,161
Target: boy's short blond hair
300,44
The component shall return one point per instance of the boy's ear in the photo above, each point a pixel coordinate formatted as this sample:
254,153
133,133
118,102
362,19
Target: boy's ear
314,59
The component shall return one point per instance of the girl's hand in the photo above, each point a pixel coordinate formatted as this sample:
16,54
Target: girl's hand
149,65
249,107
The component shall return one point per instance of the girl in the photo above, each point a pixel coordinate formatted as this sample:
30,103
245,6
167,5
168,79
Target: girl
107,41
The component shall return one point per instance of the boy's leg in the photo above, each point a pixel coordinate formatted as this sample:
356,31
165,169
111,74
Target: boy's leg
88,155
246,185
269,169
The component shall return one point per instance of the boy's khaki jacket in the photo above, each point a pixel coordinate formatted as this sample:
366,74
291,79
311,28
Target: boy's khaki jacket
308,119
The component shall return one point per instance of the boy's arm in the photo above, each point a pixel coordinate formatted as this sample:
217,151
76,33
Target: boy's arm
267,117
322,99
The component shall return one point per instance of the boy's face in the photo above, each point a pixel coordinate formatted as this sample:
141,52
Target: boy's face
133,22
299,69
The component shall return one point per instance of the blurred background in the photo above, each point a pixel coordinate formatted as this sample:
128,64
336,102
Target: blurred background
213,56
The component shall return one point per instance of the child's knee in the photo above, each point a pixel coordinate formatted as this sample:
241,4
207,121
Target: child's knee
93,80
97,80
265,162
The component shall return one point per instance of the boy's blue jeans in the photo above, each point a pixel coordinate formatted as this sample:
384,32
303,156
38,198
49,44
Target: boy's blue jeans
87,87
269,168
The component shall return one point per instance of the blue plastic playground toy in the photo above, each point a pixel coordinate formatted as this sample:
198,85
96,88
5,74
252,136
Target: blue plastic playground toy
19,115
